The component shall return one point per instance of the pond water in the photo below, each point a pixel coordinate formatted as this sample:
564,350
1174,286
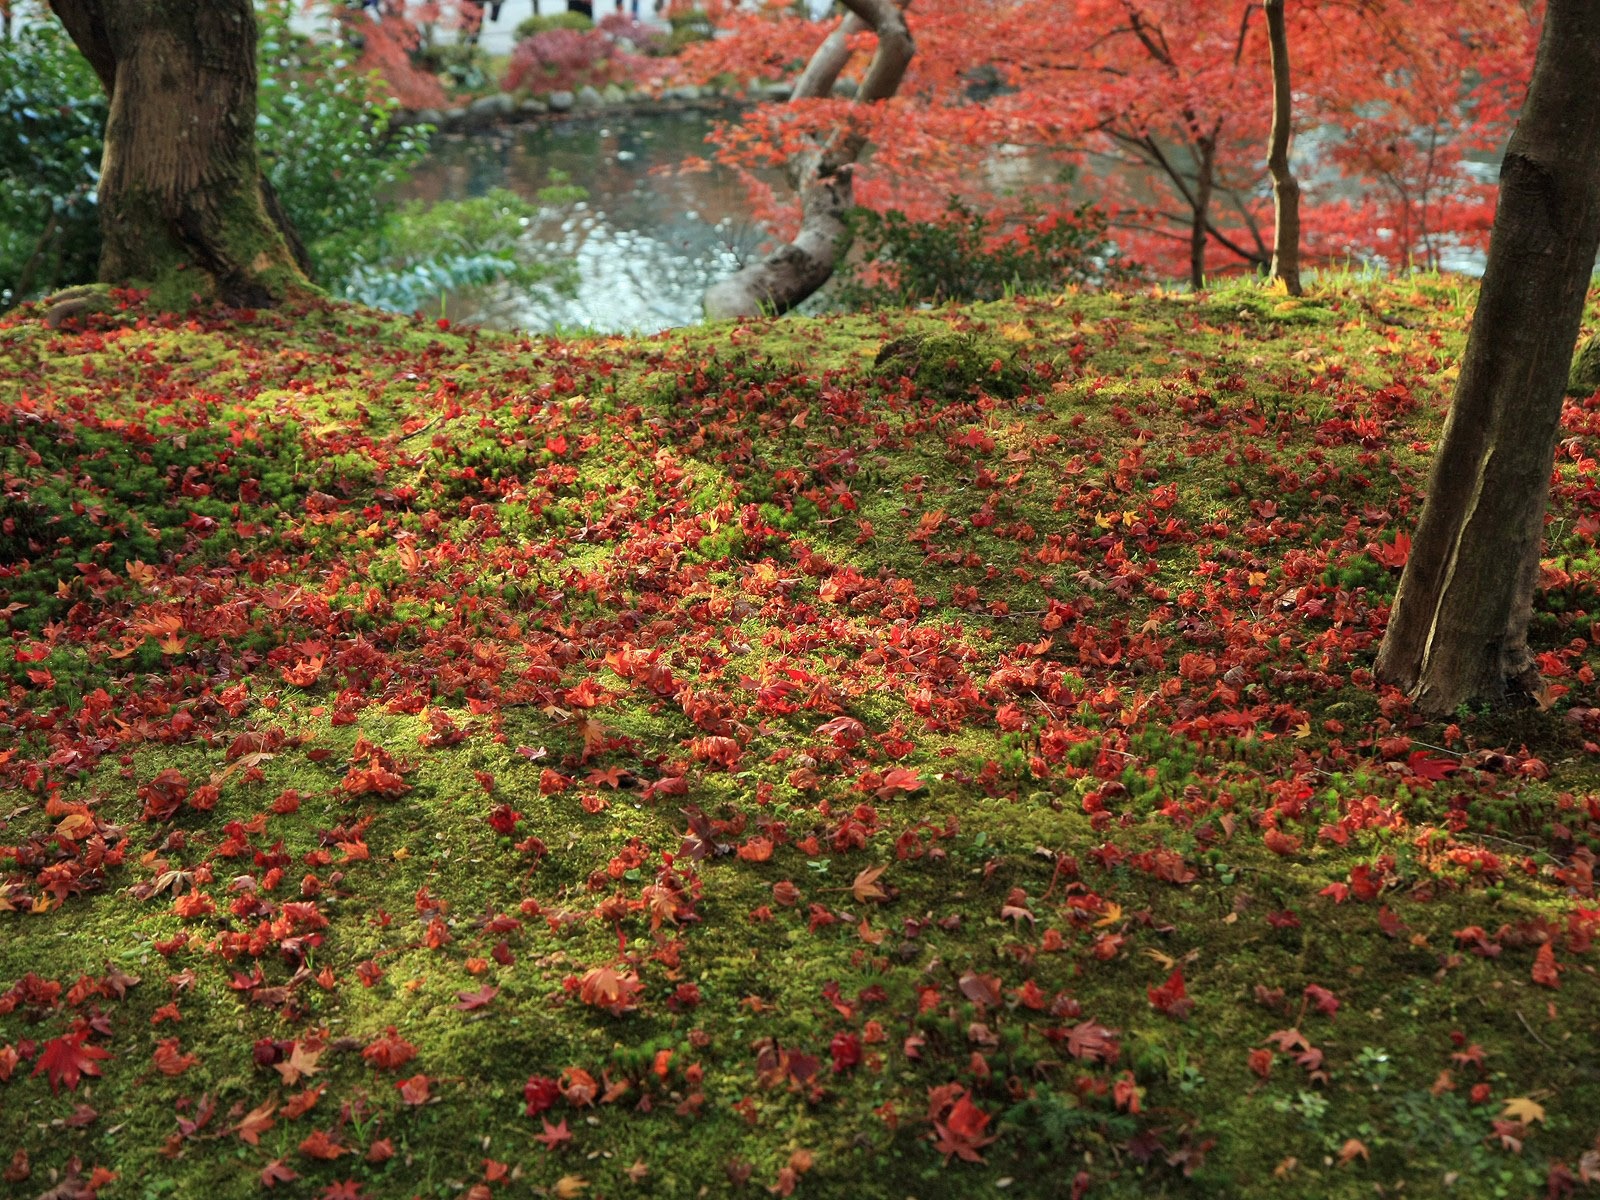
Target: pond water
647,241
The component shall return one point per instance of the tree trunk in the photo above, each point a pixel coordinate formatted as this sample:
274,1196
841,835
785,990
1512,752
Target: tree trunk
181,205
822,174
1285,187
1459,627
1205,166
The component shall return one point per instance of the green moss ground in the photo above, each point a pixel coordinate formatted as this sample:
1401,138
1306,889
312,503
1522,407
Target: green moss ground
1101,576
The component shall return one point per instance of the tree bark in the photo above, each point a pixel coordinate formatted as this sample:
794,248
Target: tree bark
1458,631
1205,149
1285,187
180,197
822,174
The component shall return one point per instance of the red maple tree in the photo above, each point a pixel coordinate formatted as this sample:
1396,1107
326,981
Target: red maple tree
1159,110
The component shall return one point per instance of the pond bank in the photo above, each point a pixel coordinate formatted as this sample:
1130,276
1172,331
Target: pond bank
504,108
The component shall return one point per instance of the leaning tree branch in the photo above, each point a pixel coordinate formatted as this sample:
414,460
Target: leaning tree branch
823,173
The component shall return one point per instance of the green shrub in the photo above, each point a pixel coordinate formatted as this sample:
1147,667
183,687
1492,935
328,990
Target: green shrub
464,64
427,250
328,145
53,109
971,255
688,27
562,20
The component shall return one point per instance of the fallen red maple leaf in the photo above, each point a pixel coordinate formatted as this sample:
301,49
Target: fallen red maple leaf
1171,997
66,1059
603,987
898,779
961,1134
554,1135
469,1001
276,1172
256,1122
320,1145
1092,1041
1546,971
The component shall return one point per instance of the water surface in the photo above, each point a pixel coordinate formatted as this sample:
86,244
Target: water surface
647,241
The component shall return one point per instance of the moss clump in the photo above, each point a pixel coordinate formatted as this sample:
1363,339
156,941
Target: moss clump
952,365
1584,378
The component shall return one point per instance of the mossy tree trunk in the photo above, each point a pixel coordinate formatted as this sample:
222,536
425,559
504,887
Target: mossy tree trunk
822,174
181,204
1459,628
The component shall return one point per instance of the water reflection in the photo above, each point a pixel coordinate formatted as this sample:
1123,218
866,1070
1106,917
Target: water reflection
646,242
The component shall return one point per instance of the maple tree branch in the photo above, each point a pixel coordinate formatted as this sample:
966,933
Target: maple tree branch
1157,50
1244,27
822,173
1235,198
829,59
895,48
1159,158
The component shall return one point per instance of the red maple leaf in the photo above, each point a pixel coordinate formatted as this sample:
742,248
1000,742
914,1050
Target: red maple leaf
961,1134
1324,1000
275,1172
614,991
1092,1041
1171,997
554,1135
1546,971
898,779
320,1145
256,1122
389,1051
66,1059
469,1001
1430,767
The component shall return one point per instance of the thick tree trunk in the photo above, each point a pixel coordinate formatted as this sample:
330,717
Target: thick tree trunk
822,175
1285,187
181,205
1459,626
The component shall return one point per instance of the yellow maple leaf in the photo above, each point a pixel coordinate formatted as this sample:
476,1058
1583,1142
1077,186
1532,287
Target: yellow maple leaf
1524,1109
1113,915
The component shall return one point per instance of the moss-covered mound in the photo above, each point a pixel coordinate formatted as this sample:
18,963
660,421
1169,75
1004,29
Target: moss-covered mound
918,755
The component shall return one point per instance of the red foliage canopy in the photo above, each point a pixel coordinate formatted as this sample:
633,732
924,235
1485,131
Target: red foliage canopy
1124,101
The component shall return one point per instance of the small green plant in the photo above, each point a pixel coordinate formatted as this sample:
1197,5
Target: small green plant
1374,1066
426,251
1311,1107
971,254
